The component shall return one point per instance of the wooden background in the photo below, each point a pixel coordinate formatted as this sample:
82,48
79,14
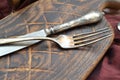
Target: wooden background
46,60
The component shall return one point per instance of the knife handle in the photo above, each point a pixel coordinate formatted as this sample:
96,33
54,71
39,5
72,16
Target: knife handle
89,18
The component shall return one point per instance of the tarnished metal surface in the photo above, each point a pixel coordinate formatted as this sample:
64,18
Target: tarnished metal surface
89,18
6,49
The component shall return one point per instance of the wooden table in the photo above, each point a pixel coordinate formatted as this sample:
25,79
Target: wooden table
46,60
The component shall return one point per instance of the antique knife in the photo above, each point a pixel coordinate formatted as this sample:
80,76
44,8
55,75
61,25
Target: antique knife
89,18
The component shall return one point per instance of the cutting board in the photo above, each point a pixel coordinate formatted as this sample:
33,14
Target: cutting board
46,60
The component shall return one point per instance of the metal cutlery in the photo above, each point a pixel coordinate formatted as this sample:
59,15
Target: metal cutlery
66,41
89,18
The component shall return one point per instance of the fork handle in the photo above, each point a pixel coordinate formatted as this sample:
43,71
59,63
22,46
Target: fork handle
20,39
89,18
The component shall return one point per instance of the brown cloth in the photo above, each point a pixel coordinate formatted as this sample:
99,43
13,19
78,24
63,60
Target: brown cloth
6,6
109,67
5,9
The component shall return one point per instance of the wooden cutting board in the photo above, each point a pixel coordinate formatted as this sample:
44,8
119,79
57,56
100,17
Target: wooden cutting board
46,60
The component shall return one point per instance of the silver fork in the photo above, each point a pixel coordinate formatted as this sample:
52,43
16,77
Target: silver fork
66,41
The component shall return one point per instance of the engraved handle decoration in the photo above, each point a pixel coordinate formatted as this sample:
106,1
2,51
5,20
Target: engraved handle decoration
89,18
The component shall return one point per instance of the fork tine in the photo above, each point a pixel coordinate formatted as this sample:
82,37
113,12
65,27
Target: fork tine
90,34
90,41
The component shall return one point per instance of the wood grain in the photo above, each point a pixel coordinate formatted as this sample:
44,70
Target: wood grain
46,60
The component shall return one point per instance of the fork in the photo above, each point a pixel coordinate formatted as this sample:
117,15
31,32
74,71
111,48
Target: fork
66,41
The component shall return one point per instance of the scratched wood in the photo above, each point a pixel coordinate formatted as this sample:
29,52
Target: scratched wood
46,60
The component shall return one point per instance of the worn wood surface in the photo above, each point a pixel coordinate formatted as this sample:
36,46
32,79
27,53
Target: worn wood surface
46,60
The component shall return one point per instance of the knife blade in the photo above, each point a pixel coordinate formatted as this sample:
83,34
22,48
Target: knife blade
89,18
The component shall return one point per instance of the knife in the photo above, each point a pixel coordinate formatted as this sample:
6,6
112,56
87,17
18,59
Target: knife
89,18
